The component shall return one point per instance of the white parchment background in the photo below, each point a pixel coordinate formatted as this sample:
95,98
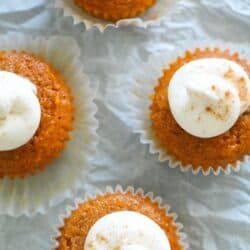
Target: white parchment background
214,210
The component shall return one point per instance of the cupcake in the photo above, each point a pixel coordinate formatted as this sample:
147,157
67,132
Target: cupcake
36,114
114,10
120,220
116,13
199,115
47,123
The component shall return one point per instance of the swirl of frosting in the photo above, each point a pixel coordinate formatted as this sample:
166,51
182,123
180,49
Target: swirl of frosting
207,96
126,230
20,111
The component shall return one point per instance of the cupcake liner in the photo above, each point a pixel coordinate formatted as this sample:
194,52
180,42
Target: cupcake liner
118,188
143,83
61,179
152,17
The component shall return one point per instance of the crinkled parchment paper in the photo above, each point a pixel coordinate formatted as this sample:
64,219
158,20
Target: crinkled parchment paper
215,211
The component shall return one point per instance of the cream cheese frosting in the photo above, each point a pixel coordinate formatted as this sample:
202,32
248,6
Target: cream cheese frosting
207,96
20,111
126,230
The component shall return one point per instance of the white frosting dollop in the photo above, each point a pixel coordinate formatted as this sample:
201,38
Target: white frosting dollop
20,110
207,96
126,230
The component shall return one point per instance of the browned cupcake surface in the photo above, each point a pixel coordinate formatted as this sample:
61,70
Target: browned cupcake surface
56,116
115,10
77,226
218,151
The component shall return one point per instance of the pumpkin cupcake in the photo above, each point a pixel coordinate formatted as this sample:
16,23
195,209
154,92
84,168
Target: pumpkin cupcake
36,113
47,123
116,13
114,10
119,220
199,115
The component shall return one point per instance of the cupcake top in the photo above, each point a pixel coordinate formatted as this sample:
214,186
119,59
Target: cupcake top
126,230
20,110
207,96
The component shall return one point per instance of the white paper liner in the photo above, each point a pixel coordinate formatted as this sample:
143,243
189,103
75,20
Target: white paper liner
120,189
152,17
60,180
143,83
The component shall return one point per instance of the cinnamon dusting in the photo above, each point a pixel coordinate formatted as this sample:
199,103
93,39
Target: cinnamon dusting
241,83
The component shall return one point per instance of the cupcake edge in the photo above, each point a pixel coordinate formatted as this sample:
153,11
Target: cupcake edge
72,10
142,86
24,197
120,189
114,17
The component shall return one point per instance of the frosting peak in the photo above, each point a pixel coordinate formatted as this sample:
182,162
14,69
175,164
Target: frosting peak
126,231
207,96
19,111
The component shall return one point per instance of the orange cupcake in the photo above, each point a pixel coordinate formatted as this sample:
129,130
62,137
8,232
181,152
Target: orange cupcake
226,148
55,121
114,10
199,112
120,220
